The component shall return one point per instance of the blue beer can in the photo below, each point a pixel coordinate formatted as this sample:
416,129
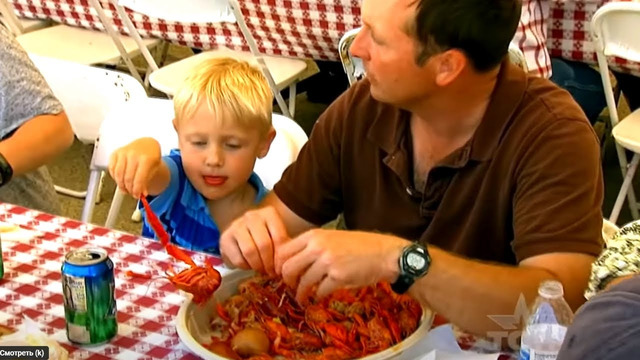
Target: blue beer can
89,296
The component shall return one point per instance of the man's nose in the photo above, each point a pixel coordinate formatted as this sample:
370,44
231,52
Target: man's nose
358,48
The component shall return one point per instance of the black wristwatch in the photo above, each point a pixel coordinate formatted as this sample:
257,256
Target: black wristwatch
6,171
414,263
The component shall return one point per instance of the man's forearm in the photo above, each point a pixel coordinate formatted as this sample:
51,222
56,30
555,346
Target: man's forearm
37,142
468,292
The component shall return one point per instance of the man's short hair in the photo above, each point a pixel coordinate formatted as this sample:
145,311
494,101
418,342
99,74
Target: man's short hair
235,91
482,29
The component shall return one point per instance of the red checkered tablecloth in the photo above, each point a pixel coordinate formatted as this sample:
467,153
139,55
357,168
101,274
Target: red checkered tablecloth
569,33
146,313
295,28
31,286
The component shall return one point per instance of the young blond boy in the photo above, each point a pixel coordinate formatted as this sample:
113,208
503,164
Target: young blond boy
223,120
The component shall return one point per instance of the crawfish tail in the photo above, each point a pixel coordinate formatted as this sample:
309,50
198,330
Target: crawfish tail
179,254
155,223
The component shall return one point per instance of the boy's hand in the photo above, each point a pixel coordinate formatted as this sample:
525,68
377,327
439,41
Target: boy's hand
132,165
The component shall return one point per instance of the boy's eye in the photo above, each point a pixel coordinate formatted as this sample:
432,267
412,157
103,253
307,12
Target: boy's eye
233,145
199,143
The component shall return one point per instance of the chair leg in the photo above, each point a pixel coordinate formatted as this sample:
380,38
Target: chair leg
137,215
69,192
114,209
624,166
626,190
100,186
292,100
90,201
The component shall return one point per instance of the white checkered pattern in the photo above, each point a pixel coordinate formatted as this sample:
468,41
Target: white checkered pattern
295,28
31,286
569,33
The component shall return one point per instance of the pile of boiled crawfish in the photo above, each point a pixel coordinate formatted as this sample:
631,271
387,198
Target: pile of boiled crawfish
264,321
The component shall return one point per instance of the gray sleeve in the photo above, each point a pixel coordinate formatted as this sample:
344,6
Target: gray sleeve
24,93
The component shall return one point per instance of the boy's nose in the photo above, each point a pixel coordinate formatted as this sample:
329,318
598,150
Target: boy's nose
215,158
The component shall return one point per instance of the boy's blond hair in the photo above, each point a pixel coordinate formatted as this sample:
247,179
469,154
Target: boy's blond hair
233,89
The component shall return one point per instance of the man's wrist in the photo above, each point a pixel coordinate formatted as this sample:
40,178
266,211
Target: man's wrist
392,264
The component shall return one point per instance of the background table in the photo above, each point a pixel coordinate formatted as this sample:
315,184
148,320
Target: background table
569,35
295,28
31,286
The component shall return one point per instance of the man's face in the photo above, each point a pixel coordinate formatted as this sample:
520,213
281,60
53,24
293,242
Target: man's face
388,53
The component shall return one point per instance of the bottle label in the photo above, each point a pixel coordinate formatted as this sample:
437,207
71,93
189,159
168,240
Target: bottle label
543,355
527,353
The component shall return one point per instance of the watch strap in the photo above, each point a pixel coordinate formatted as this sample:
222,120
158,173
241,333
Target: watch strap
402,284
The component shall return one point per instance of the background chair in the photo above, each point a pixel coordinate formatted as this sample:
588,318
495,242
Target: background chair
87,94
355,71
614,30
153,118
65,42
281,72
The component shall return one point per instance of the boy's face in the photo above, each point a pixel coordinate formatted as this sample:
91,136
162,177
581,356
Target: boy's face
218,159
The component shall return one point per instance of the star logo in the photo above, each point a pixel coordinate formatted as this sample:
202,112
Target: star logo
519,316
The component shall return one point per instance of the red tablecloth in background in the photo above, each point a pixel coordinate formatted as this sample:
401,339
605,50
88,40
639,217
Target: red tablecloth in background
296,28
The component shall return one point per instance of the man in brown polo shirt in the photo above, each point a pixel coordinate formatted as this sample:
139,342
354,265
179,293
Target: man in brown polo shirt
445,144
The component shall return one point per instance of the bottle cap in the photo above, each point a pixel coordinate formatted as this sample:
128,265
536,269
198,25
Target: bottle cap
551,289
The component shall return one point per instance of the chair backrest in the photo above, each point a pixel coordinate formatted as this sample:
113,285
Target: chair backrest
614,31
284,150
517,57
153,118
87,93
148,117
355,71
349,62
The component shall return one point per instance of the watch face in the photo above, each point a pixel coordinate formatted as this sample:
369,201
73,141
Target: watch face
416,262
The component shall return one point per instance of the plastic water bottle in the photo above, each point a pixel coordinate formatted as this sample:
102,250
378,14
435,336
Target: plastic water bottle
547,324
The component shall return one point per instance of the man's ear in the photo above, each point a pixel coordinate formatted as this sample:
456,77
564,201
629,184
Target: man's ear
266,143
449,66
175,124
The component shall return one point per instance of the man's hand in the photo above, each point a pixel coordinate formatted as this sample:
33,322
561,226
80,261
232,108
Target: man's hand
335,259
133,165
253,239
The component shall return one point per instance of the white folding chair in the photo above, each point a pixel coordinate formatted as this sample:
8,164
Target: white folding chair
281,72
355,70
84,46
87,94
153,118
614,29
144,117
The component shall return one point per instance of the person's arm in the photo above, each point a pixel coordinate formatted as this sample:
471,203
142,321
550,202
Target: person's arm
619,261
138,169
36,142
469,292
